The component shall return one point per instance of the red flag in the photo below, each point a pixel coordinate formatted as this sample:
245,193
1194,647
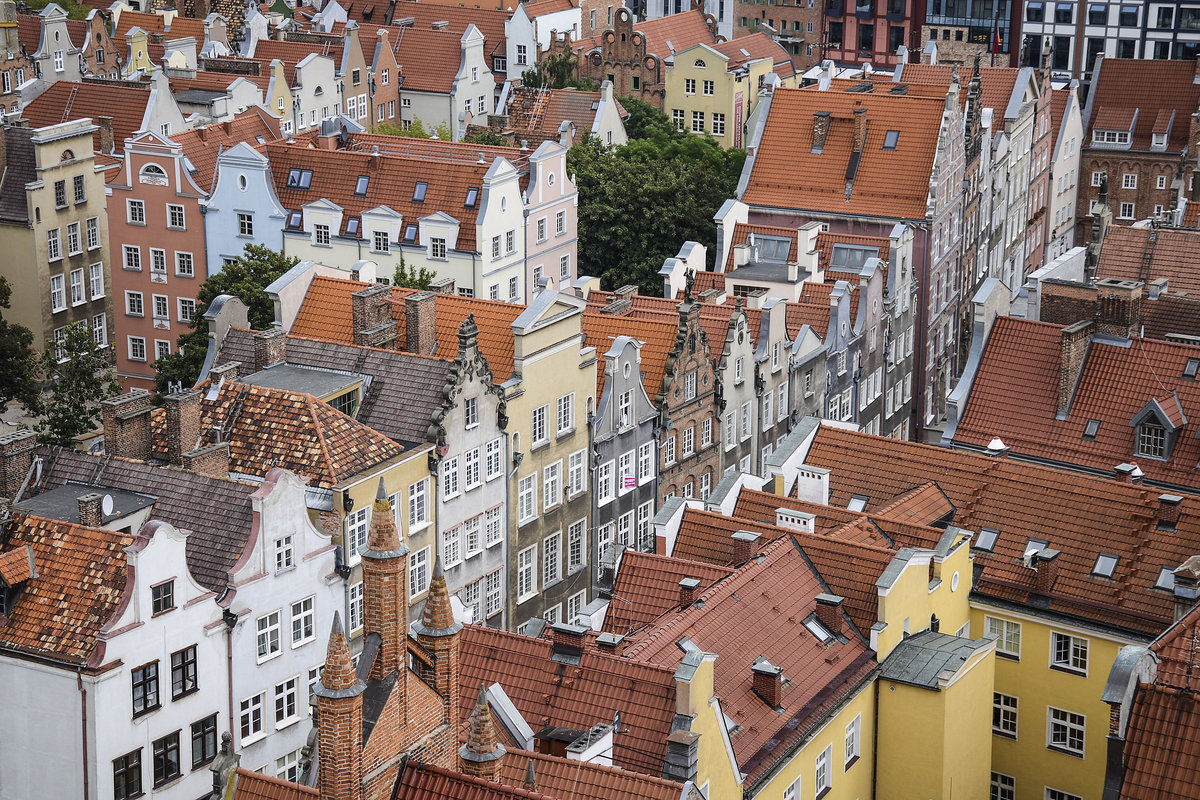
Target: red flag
996,42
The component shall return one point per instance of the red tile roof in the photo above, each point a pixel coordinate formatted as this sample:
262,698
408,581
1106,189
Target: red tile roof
924,505
16,566
1160,85
80,584
490,22
647,585
181,28
428,782
995,83
202,146
1173,254
656,336
64,101
1080,516
549,692
566,778
256,786
1015,397
538,113
756,46
714,317
778,593
292,53
428,59
742,232
888,183
668,35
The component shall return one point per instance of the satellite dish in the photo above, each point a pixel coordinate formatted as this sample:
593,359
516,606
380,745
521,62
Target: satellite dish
106,505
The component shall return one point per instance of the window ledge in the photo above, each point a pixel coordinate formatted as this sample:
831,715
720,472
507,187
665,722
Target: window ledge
302,642
271,657
192,690
420,526
287,723
1069,670
249,740
1004,734
539,445
850,763
1064,751
564,433
146,711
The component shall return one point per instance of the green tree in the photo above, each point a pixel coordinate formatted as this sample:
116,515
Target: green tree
80,377
412,278
640,202
18,362
245,278
74,10
488,138
415,130
647,122
557,71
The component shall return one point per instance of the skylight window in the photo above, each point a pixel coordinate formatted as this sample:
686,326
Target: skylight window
890,139
687,645
1034,546
360,186
987,539
1189,371
352,226
294,219
846,256
818,630
1166,579
299,178
472,197
857,502
1106,564
410,233
419,192
260,140
1093,427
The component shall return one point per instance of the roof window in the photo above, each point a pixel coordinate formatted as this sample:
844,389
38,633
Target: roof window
299,179
987,539
294,219
857,502
847,256
419,192
352,226
890,139
472,197
1166,579
1189,369
818,630
1035,546
410,233
360,186
1092,428
1106,565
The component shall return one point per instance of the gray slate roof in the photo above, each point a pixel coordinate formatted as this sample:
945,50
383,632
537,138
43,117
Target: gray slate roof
924,658
217,512
20,169
238,346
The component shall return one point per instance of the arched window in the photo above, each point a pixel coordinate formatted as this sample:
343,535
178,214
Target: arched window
699,63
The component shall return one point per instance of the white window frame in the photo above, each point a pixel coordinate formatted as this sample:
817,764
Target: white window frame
268,636
1004,630
526,573
1077,650
1061,718
418,573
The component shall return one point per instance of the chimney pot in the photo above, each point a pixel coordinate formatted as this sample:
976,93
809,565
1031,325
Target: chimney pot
126,420
420,317
270,348
16,459
1168,511
183,424
1045,561
211,461
1129,473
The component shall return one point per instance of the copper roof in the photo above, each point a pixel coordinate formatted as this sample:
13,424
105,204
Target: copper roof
1161,85
64,101
887,183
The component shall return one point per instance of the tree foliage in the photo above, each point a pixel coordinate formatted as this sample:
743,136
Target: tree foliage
80,377
74,10
412,277
488,138
557,71
18,362
245,278
640,202
415,130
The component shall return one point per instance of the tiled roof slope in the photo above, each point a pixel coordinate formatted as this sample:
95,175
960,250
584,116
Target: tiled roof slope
428,782
778,592
656,337
269,428
566,778
64,101
539,112
20,169
1171,313
888,183
1015,397
668,35
995,83
714,317
741,234
181,28
1173,255
813,308
756,46
428,59
1161,85
217,512
291,52
647,585
549,692
489,21
202,146
256,786
80,583
1079,515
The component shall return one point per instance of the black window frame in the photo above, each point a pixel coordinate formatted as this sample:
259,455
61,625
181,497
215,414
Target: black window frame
127,775
162,749
1093,9
1123,18
183,671
145,679
1035,12
1059,9
162,598
204,741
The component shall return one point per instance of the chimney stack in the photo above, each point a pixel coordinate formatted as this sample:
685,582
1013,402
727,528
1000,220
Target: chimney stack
183,424
211,461
107,143
90,511
420,318
16,459
820,130
371,315
1073,347
126,420
860,129
768,681
568,642
829,612
743,546
1168,511
270,348
1128,473
1120,306
687,591
1045,561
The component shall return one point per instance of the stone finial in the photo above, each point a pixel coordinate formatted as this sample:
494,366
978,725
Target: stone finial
481,754
437,618
224,765
530,777
383,538
339,668
468,333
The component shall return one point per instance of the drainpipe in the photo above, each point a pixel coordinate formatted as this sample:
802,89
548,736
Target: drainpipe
230,619
83,727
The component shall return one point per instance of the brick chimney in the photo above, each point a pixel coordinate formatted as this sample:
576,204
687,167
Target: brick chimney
372,318
860,129
1128,473
270,348
483,754
211,461
1045,561
420,316
568,642
829,613
1073,348
339,721
768,682
1168,511
437,632
743,546
230,371
820,130
107,143
16,459
90,511
183,424
385,593
1120,307
687,591
126,420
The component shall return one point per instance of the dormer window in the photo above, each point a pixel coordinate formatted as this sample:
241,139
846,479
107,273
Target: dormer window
1151,440
1160,140
352,227
1156,426
410,233
295,219
814,626
1110,137
857,502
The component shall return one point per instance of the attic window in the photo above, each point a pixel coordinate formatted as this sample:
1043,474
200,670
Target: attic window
889,140
352,226
360,186
1189,370
1035,546
772,248
700,63
1093,427
419,192
1166,579
472,197
857,502
987,539
1152,440
1106,564
818,630
294,219
299,178
410,233
845,256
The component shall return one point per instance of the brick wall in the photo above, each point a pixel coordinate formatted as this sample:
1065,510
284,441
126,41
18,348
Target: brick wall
1116,164
1063,304
16,457
690,353
126,420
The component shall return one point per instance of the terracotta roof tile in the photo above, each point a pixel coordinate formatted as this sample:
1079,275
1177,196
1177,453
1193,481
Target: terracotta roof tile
292,52
489,21
742,232
67,100
1079,515
1173,255
1162,745
656,336
714,317
888,183
428,59
924,505
668,35
16,566
256,786
81,582
647,585
29,31
756,46
428,782
539,112
181,28
202,146
565,778
1160,85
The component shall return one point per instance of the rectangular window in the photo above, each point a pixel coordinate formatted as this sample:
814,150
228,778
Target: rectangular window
145,687
250,717
718,124
668,450
53,244
625,472
74,242
472,475
356,606
538,425
1004,787
450,478
245,224
80,190
321,234
708,88
1069,653
575,473
566,413
92,233
452,546
526,579
60,191
77,293
575,545
1127,211
604,483
824,775
1129,180
689,441
551,563
1004,714
510,242
646,460
97,281
418,573
575,604
267,627
853,740
136,212
286,707
356,531
127,776
175,217
564,267
1065,731
493,527
166,759
161,307
1008,636
493,458
137,348
678,118
560,223
204,741
303,620
689,86
418,504
552,485
697,122
473,542
162,597
100,330
493,593
183,672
